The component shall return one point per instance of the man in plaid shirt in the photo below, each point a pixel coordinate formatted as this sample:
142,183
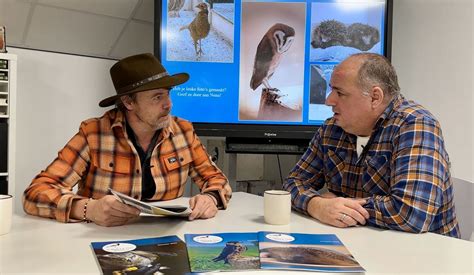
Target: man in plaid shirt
138,149
381,157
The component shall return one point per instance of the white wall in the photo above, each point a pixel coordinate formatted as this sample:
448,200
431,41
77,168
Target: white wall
55,93
433,54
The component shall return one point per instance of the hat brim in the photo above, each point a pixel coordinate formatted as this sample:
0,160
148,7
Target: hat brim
164,82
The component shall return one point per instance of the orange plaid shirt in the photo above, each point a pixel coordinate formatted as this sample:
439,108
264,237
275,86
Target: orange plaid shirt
100,156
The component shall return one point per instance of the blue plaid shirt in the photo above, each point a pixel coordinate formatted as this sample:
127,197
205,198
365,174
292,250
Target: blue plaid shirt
403,171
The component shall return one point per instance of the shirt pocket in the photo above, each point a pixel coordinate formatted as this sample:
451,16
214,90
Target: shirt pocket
109,171
376,177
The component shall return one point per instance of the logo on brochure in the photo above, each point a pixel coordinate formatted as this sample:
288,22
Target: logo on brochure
119,247
282,238
207,239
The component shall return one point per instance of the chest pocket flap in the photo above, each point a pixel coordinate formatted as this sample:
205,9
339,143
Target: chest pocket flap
111,163
176,159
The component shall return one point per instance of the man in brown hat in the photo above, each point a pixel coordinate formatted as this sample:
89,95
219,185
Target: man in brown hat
137,148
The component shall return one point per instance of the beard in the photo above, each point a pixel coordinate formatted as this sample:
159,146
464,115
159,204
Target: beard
163,122
154,124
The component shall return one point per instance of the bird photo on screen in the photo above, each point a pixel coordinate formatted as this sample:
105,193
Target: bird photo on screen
174,6
199,28
276,42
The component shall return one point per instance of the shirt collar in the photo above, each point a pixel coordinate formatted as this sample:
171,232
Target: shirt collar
394,103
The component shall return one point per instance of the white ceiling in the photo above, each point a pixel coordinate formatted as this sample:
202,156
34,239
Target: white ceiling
102,28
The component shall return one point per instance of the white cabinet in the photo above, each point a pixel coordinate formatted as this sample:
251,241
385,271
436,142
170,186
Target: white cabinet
8,69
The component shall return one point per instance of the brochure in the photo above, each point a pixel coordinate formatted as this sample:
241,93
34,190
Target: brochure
311,252
161,255
222,251
154,209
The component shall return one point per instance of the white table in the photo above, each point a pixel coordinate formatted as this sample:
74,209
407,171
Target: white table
38,245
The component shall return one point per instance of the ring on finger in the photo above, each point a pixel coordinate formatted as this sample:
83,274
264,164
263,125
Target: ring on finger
343,217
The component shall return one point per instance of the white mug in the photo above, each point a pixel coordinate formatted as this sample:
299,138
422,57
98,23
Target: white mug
6,212
277,207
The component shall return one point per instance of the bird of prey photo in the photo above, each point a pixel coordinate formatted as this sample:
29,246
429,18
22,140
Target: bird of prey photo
276,42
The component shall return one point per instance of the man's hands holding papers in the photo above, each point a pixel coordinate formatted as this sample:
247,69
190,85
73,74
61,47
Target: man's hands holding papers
108,211
203,206
119,209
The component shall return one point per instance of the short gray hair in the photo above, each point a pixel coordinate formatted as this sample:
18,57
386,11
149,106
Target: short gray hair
376,70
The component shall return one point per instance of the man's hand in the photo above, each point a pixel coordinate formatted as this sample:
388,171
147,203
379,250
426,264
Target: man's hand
108,211
338,211
203,206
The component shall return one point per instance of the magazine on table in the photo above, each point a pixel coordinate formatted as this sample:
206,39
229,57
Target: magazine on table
311,252
153,208
161,255
222,251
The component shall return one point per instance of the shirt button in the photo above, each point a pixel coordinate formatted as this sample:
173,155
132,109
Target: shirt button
138,171
111,164
181,159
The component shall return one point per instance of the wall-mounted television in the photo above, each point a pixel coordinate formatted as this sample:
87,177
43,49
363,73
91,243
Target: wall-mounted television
260,69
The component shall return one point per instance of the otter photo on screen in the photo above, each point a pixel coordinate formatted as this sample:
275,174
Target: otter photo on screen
340,29
192,36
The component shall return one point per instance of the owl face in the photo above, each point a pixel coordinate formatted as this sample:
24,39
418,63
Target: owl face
283,41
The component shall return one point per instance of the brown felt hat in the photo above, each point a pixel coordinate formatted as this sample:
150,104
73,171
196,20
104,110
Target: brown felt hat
140,73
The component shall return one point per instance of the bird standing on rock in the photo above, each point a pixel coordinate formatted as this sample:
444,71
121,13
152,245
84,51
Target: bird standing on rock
276,41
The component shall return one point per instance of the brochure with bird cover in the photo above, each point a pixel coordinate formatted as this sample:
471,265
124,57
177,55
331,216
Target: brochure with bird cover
154,208
312,252
222,251
161,255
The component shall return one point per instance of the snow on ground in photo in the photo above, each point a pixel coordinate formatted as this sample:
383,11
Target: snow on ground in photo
226,10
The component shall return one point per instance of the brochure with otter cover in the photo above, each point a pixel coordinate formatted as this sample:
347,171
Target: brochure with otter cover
222,251
154,208
161,255
312,252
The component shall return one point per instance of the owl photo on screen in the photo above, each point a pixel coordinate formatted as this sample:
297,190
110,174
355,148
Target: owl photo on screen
276,42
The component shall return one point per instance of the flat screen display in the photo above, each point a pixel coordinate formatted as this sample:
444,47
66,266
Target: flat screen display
263,63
